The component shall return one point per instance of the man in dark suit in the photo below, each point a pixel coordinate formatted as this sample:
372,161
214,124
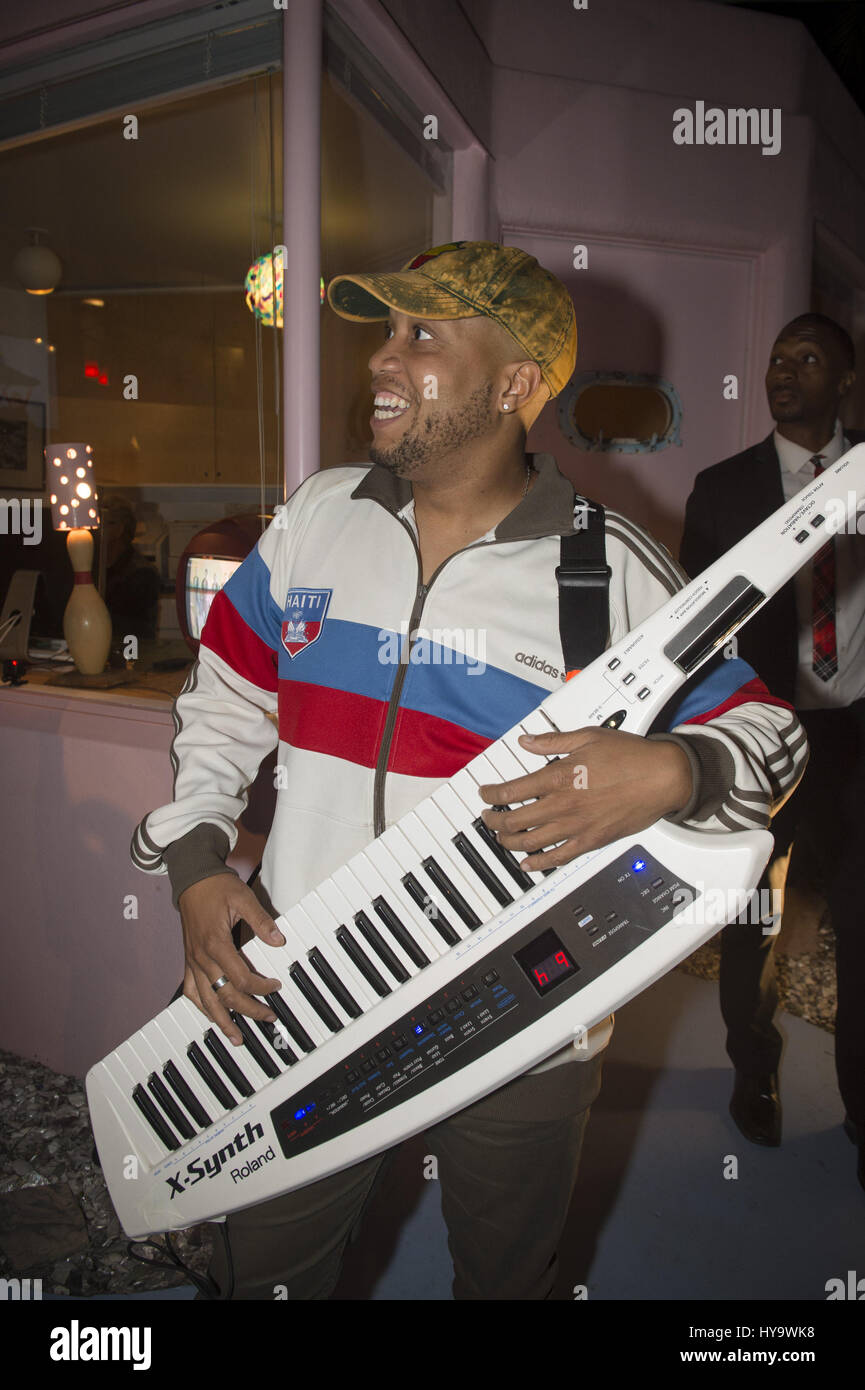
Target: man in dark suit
808,645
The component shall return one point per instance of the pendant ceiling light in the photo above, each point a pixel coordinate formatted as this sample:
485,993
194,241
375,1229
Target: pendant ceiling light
37,267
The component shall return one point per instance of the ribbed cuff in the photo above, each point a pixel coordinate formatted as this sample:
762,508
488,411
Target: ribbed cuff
712,771
198,854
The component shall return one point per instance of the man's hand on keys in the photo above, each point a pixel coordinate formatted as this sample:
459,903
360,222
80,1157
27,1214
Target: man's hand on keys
208,911
605,784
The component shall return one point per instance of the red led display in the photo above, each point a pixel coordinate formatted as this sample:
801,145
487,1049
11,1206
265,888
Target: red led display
546,962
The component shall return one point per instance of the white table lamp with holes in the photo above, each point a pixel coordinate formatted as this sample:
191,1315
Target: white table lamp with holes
74,508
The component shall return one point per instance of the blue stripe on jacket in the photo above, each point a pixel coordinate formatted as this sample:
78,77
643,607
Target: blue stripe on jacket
363,660
710,687
249,592
474,696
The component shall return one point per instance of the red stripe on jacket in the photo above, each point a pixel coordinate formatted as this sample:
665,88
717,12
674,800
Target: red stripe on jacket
323,720
424,746
754,692
345,725
226,634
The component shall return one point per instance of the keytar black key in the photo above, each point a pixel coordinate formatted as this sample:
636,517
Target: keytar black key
160,1093
185,1093
329,976
399,933
254,1047
214,1083
451,893
482,869
362,961
374,939
314,997
277,1041
220,1054
429,909
154,1119
506,859
291,1025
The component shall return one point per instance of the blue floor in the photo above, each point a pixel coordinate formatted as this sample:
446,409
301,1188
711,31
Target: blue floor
654,1216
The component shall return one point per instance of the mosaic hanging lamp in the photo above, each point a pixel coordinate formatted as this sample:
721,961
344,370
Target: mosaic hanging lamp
261,295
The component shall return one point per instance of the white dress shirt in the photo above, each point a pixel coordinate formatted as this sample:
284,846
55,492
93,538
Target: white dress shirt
848,683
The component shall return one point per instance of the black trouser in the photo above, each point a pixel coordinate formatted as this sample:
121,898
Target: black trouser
828,807
507,1167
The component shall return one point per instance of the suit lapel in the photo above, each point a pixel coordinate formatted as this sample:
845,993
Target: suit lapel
767,478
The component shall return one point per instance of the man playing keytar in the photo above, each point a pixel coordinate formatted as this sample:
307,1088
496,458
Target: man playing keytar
454,528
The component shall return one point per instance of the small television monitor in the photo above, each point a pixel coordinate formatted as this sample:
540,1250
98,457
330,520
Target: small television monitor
206,565
205,576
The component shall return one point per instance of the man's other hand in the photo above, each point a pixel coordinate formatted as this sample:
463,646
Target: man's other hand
606,784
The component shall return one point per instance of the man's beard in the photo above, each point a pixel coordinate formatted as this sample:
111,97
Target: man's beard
441,434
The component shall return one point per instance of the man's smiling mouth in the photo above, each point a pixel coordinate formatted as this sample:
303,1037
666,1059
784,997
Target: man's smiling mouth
389,406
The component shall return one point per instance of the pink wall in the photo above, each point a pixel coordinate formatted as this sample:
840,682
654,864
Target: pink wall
78,774
697,255
625,303
675,48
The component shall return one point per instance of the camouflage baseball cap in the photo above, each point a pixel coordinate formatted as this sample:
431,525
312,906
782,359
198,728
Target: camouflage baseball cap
463,279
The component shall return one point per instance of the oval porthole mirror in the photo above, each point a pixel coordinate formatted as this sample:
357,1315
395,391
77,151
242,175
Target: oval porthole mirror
620,412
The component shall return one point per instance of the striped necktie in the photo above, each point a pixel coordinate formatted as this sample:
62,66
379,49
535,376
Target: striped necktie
824,650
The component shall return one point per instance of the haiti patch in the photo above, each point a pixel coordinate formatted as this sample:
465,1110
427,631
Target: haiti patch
303,618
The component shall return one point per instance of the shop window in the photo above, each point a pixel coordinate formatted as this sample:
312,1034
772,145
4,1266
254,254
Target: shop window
146,347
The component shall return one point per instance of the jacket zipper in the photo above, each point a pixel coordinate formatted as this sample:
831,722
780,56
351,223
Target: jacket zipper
420,598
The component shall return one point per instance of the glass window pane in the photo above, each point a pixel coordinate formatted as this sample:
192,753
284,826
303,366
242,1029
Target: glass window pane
146,349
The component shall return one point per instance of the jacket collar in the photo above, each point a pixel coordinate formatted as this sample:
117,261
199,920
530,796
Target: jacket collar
547,510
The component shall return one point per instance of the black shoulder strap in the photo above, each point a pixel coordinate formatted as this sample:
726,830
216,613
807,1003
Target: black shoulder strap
583,577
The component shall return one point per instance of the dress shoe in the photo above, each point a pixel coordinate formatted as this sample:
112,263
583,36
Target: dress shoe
756,1107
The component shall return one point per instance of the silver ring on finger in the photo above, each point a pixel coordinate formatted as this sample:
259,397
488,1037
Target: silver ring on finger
220,983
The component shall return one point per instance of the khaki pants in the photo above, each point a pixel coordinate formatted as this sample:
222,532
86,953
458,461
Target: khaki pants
507,1167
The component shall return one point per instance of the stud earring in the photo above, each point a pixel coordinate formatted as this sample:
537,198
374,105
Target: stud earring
505,407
